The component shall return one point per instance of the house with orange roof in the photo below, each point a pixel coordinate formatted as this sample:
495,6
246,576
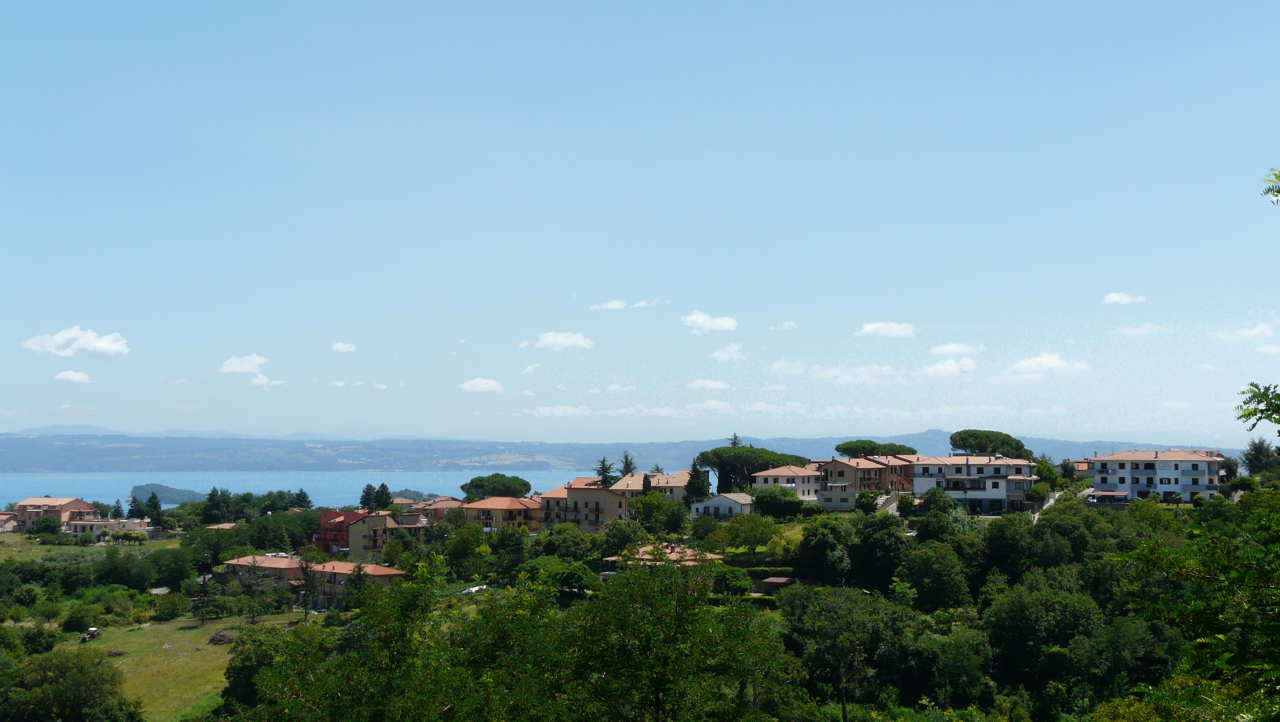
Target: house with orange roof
289,573
332,580
367,535
1168,474
585,503
65,508
332,536
982,484
496,512
804,480
672,486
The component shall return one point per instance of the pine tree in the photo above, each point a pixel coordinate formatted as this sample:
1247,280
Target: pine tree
301,500
699,484
368,497
136,509
604,470
117,511
382,497
735,441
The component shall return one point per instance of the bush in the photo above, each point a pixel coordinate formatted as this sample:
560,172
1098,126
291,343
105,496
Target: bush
1038,493
79,618
866,501
46,610
730,580
38,639
170,606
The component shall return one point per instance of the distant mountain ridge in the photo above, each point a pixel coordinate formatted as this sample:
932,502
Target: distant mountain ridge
31,451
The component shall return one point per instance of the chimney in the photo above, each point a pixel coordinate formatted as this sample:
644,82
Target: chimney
1157,454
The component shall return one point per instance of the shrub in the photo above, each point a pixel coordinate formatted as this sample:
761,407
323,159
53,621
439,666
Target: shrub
170,606
38,640
79,618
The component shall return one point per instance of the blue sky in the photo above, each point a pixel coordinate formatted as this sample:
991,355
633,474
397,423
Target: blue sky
844,194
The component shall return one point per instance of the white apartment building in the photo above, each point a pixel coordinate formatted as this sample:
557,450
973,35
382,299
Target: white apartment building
1169,475
804,480
982,484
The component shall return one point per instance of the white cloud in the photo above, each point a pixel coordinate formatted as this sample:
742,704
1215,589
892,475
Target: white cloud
248,364
524,344
337,384
357,384
708,385
782,367
74,377
1036,367
712,406
949,367
264,382
846,375
1123,298
890,329
730,353
481,385
70,341
342,347
528,393
1143,329
528,370
957,349
379,387
558,411
784,326
562,340
701,322
616,304
1262,330
619,388
1269,349
646,303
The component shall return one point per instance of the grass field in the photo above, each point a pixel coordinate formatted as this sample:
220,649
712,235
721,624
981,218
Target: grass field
170,666
20,547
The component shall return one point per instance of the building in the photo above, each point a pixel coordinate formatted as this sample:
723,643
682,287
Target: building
724,506
332,579
434,509
8,521
805,481
283,572
1169,475
584,503
982,484
67,509
869,473
102,527
332,536
499,511
672,486
369,534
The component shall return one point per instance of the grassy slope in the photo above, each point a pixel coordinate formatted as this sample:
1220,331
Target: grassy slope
20,547
170,666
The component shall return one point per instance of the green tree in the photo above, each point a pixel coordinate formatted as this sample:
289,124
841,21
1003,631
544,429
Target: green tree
382,496
698,487
136,509
628,465
879,548
1038,492
751,531
936,499
658,514
936,573
1048,472
824,549
860,447
47,524
117,511
778,502
1231,465
301,500
1272,188
735,441
1067,470
656,469
605,472
71,685
622,534
866,501
369,496
734,465
483,487
1260,457
977,441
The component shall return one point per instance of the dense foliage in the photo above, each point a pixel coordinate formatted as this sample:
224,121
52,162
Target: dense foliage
867,447
734,465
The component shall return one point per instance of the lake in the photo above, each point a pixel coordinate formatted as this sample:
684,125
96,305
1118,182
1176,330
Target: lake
326,488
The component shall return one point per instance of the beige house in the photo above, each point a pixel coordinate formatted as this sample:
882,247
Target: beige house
332,579
672,486
804,480
724,506
583,502
367,536
499,511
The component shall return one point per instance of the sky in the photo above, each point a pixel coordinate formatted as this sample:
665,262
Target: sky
657,221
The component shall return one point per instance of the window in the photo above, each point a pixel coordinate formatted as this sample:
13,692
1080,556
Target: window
1148,466
844,500
1150,480
1017,469
1195,467
1120,480
959,470
1103,466
1175,467
995,485
840,473
1195,482
1122,465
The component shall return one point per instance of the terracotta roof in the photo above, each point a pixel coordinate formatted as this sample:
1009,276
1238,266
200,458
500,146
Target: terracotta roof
635,481
1163,455
560,492
737,497
788,471
373,570
403,501
502,503
265,562
658,553
50,501
859,462
579,482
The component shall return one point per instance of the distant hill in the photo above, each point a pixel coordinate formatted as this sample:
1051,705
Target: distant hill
28,452
166,494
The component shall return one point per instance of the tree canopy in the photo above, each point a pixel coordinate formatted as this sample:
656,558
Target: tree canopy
483,487
867,447
734,465
978,441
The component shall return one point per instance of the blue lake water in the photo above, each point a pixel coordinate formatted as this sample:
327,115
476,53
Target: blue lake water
326,488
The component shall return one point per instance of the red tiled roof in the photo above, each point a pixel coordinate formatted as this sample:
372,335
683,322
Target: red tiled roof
265,562
502,503
373,570
788,471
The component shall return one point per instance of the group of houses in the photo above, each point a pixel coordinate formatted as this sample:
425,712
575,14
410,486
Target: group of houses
1168,475
326,583
75,516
